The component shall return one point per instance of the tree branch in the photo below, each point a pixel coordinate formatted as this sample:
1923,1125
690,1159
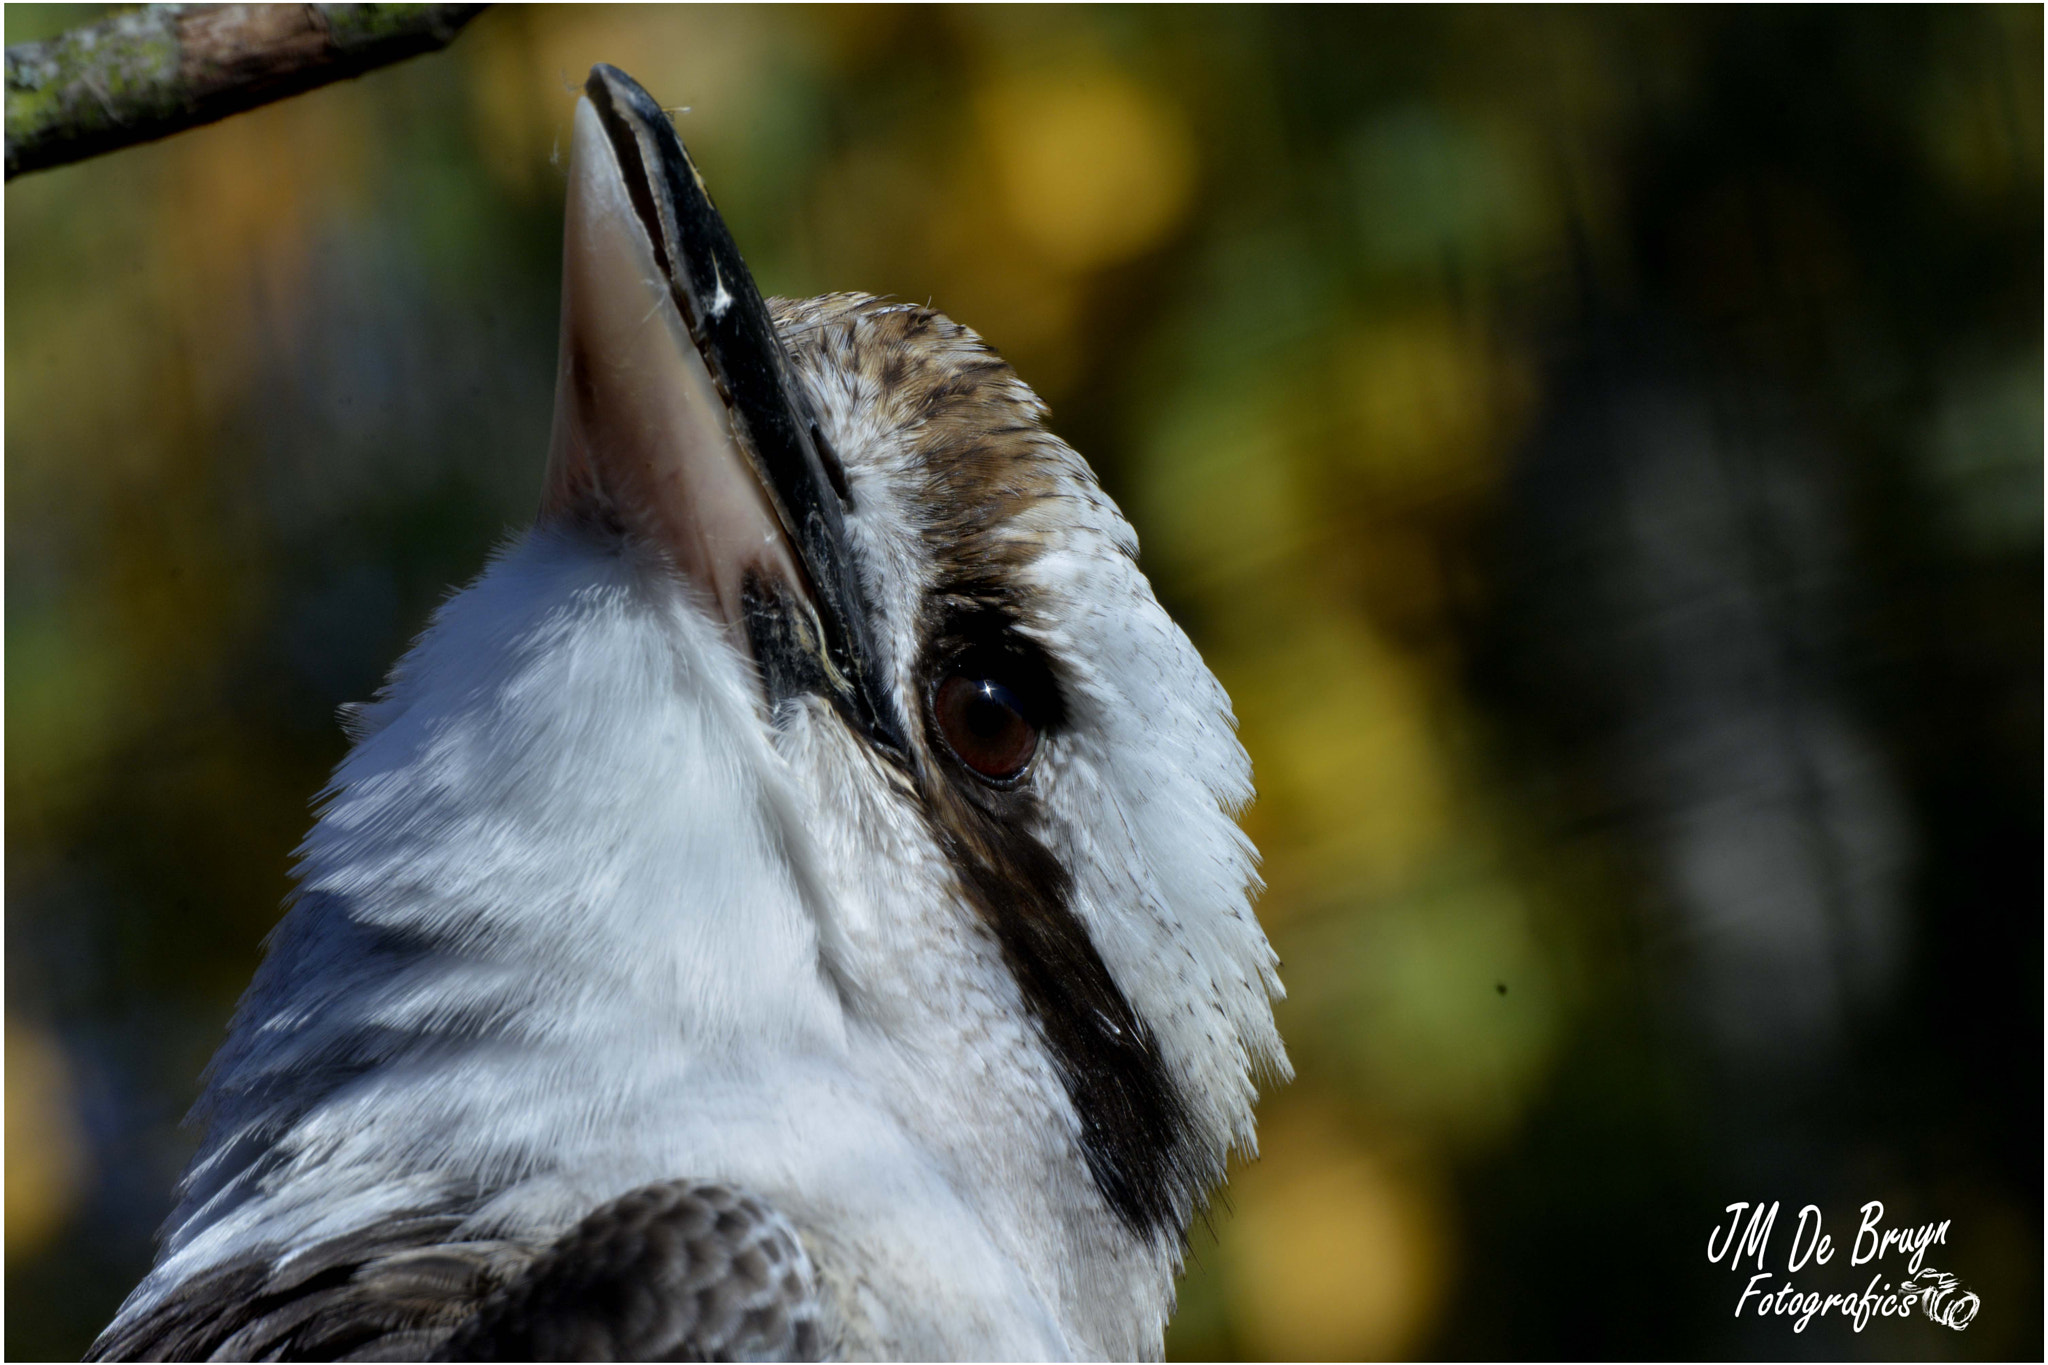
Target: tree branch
162,69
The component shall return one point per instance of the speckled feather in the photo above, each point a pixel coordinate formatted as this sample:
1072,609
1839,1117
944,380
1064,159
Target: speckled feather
678,1271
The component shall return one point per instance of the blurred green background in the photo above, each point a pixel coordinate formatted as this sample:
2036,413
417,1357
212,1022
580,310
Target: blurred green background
1600,451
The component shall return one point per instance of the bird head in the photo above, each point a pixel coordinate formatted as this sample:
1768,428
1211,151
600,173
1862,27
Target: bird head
952,648
818,780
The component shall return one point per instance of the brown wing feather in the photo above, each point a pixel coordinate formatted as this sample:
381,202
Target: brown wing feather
388,1292
676,1271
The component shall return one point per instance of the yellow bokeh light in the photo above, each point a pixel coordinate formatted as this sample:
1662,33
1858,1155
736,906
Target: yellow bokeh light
1092,167
45,1150
1352,783
1334,1254
525,69
1427,404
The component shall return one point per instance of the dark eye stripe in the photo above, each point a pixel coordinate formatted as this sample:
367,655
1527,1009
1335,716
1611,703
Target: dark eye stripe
1137,1134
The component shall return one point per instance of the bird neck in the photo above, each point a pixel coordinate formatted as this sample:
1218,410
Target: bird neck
562,929
555,865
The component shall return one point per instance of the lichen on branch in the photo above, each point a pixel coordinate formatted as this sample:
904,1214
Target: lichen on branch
160,69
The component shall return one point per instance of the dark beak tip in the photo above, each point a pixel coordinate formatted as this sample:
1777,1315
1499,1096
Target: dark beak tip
606,78
615,93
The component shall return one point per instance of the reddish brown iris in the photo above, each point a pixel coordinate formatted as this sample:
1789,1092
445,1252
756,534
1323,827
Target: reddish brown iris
985,724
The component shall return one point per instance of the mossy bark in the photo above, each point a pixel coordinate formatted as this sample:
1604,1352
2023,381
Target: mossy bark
158,70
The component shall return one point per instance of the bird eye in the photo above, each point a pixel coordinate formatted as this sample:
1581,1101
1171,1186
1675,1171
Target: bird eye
985,724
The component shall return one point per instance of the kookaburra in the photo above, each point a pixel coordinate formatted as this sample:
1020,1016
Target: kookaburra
788,906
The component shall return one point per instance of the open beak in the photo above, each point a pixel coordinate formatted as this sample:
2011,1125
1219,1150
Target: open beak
678,422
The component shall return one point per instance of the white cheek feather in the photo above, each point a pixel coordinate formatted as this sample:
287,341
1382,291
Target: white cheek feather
884,521
1144,781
